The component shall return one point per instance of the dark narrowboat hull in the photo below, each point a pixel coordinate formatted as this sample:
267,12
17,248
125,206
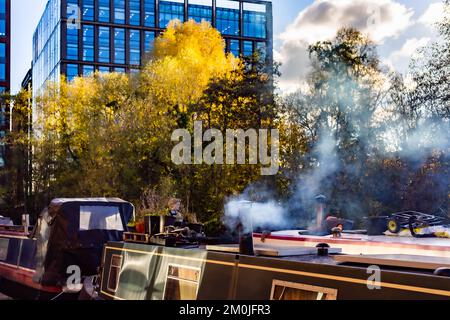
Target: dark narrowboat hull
139,272
17,263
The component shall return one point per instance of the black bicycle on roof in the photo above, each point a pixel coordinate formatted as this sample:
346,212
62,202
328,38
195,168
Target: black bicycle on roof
414,220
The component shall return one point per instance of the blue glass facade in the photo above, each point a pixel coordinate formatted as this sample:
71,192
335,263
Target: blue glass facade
149,13
88,10
200,13
135,12
170,10
227,21
134,47
5,41
47,43
2,61
254,24
3,4
72,44
247,49
104,10
4,45
88,70
119,45
104,44
77,37
148,41
72,71
88,43
234,47
119,11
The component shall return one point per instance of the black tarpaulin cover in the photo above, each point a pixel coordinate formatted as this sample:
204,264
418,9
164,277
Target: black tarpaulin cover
72,232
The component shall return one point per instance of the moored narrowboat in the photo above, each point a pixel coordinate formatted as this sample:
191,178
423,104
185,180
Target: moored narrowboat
139,271
70,232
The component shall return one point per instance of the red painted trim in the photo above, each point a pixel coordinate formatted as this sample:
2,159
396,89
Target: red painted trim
357,242
13,233
25,277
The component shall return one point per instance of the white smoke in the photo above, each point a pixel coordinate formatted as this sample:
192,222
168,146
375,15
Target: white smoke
254,214
426,138
327,163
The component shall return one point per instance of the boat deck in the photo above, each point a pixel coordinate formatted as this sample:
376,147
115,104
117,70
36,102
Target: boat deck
356,244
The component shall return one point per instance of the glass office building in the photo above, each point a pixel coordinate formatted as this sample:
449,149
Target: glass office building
5,40
77,37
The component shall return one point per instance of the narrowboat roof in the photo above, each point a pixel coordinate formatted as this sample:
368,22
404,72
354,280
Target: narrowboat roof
67,200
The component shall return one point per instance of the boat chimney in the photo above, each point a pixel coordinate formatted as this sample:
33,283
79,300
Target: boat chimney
25,222
320,210
245,230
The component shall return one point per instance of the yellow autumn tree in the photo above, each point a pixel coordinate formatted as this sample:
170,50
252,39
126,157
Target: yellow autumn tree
185,58
110,134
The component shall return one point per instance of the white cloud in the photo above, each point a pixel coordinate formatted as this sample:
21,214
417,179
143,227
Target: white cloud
409,49
399,60
433,14
380,19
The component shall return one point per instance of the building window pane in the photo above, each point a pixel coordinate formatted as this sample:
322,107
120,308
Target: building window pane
200,10
135,49
135,12
2,71
261,48
103,10
2,52
149,11
103,69
2,6
119,70
88,43
72,71
254,20
234,47
88,70
248,48
72,44
103,44
2,27
72,10
88,10
119,45
119,11
149,41
227,17
169,11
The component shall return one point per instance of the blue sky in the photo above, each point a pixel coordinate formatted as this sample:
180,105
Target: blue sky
290,28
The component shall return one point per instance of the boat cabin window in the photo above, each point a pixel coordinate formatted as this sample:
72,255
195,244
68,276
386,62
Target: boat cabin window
3,248
283,290
114,272
181,283
100,218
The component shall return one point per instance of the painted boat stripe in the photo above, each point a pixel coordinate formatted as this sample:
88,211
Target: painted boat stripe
112,296
17,267
445,293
